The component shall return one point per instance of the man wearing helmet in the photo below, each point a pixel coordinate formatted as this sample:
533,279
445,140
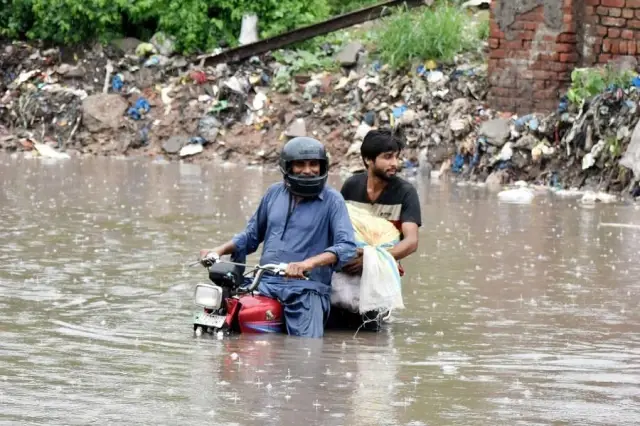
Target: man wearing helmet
305,223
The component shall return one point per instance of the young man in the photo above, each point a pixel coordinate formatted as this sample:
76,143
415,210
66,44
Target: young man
304,223
387,195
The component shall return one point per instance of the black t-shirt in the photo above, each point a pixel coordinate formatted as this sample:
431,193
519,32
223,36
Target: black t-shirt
397,203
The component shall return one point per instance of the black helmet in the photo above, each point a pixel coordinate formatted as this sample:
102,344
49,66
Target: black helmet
304,148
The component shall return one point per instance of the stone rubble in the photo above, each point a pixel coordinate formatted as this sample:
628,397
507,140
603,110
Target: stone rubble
158,103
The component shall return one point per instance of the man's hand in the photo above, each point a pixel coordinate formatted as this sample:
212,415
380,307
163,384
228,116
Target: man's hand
209,257
297,269
354,267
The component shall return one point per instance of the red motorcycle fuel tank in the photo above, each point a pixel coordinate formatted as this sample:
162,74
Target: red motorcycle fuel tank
258,314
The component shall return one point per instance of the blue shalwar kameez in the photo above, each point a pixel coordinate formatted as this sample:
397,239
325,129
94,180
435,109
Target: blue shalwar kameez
294,233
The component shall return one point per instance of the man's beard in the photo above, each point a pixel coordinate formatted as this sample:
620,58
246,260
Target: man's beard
381,174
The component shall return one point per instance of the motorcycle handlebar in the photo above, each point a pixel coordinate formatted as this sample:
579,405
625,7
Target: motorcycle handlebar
278,269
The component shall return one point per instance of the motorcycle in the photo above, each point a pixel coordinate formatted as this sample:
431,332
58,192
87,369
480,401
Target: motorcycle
227,307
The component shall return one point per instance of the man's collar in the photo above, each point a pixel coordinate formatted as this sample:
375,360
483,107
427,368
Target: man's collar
320,195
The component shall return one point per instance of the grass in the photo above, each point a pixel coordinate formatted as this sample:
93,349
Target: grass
482,26
439,33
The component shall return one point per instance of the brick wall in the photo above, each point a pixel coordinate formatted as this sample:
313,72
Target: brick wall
535,44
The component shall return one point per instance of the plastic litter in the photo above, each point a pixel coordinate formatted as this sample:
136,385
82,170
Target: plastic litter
140,108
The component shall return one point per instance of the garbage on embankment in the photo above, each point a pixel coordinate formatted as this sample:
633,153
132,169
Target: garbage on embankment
142,99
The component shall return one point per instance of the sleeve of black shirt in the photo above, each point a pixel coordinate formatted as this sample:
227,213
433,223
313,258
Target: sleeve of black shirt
411,207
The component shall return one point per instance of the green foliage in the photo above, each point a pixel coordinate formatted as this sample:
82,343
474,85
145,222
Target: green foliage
302,61
437,33
72,21
614,146
588,82
483,27
339,7
197,25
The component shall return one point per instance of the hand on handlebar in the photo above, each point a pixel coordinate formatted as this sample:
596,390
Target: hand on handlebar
298,270
208,258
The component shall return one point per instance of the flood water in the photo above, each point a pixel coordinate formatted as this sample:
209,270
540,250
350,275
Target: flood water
515,314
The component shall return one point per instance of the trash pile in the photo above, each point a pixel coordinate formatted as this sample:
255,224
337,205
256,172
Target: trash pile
136,98
139,98
594,146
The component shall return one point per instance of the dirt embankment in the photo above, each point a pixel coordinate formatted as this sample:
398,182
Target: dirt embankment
128,99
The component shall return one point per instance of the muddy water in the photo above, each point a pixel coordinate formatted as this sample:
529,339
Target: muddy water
514,314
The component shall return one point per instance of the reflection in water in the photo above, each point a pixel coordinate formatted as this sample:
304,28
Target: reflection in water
516,314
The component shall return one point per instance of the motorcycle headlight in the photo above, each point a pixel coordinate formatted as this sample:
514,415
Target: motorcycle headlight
208,296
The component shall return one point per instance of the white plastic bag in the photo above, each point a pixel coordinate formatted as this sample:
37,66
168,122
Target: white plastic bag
345,291
380,288
249,29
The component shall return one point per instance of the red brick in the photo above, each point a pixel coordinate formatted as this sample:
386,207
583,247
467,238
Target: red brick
540,66
631,47
602,11
627,13
567,19
567,38
564,47
637,13
627,34
597,47
602,31
570,27
568,3
614,32
494,43
616,13
559,66
526,35
589,10
612,22
567,57
498,53
527,45
552,84
500,91
530,26
514,45
496,33
592,2
545,94
615,47
622,47
543,75
563,76
549,57
612,3
633,23
539,84
604,58
606,45
634,4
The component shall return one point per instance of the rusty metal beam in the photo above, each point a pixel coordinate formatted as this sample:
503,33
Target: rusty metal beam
300,34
